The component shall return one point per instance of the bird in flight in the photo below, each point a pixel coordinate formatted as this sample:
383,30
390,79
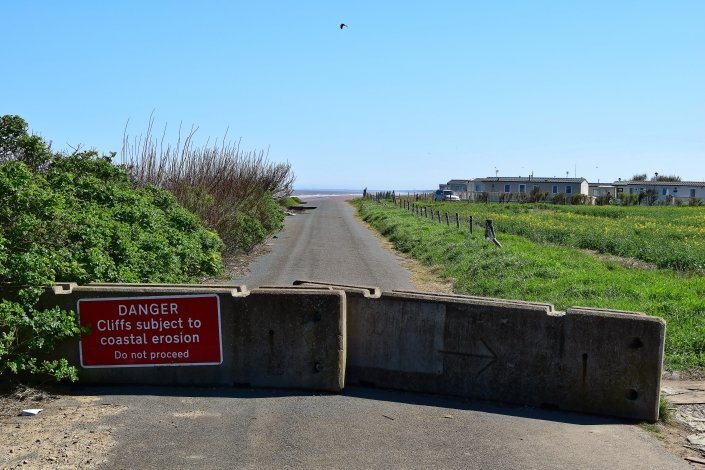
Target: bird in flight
343,25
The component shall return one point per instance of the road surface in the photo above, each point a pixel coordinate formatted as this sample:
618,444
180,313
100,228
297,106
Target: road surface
328,244
363,428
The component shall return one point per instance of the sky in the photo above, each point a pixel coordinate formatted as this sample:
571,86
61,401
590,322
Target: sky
411,94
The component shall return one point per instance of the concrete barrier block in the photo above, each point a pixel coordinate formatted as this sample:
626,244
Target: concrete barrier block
614,360
288,338
587,360
291,336
365,291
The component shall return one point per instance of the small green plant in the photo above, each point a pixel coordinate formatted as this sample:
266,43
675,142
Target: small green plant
289,201
665,411
665,417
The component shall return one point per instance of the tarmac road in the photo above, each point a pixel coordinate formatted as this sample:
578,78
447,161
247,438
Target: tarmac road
328,244
362,428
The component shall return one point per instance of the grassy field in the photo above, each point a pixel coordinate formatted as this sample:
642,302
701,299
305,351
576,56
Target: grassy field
544,258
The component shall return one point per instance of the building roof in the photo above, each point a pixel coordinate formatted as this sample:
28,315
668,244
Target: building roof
458,181
660,183
530,179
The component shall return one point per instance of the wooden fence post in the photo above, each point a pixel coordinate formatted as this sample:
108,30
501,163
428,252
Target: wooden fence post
457,220
470,225
447,220
489,233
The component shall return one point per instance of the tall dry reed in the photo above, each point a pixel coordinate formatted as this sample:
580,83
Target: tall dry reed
219,182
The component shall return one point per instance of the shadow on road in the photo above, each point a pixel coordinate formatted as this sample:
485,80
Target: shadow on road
353,392
459,403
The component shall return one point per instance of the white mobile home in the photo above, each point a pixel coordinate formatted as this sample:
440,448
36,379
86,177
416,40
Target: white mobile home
505,188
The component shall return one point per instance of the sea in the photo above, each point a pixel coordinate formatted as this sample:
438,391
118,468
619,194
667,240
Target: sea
316,193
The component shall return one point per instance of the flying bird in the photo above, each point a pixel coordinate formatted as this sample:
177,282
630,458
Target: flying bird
343,25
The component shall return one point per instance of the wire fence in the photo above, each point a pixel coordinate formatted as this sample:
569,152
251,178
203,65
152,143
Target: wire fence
424,211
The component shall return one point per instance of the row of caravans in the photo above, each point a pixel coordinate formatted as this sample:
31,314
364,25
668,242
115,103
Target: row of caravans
496,189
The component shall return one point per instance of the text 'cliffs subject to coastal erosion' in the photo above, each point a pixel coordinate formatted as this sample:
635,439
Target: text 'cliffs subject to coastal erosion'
150,331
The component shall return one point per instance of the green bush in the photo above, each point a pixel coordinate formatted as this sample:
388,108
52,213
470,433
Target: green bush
270,213
289,201
526,268
245,231
603,200
81,218
26,333
559,198
579,199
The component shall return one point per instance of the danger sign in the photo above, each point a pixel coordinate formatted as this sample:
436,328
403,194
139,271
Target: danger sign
150,331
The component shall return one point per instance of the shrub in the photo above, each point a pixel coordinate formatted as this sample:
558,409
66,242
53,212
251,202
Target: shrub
28,333
81,218
289,201
536,195
222,184
603,200
245,231
579,199
559,198
270,213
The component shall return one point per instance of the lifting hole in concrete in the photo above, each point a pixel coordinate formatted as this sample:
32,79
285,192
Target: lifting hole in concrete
632,394
317,316
635,343
271,332
317,367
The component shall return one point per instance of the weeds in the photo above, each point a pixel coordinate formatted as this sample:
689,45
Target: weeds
230,190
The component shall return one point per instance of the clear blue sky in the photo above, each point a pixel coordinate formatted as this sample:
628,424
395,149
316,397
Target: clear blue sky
412,94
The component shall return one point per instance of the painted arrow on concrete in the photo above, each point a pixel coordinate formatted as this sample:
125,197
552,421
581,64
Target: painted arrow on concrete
478,349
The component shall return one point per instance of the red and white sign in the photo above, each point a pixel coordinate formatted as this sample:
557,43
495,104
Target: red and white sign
151,331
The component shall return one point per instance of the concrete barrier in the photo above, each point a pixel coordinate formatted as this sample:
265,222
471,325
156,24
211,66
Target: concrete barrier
287,338
319,336
586,360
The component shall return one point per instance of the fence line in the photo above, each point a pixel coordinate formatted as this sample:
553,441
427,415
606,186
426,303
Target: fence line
423,211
